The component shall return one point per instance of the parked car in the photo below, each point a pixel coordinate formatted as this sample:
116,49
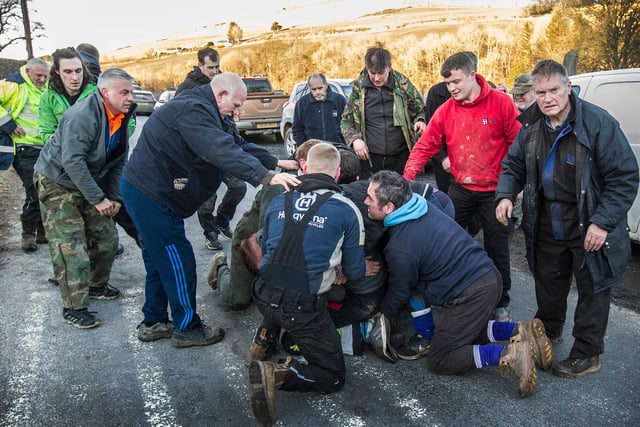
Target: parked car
164,97
145,101
339,86
617,92
262,110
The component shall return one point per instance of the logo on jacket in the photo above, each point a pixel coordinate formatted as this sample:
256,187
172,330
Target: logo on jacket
486,121
180,183
305,201
301,206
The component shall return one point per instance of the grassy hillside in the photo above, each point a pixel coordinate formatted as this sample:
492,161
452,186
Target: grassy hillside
419,40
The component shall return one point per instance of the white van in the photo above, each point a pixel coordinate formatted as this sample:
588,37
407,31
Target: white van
618,92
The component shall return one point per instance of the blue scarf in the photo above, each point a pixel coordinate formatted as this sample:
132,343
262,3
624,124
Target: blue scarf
413,209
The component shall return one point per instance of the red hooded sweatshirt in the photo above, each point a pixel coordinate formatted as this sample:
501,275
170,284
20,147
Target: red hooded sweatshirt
478,135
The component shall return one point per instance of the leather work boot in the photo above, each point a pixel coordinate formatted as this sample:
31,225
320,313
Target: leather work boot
41,235
533,331
266,378
256,352
218,260
28,236
263,343
519,358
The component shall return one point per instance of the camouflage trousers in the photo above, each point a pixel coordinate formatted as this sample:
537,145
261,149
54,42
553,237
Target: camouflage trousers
83,243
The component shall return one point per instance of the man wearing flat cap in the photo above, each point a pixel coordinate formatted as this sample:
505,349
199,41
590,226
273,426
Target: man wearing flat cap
523,92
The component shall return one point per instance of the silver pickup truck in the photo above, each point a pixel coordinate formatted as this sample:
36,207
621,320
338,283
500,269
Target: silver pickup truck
262,111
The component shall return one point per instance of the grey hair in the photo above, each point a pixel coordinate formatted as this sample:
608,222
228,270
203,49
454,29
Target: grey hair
392,188
112,74
317,76
34,62
549,67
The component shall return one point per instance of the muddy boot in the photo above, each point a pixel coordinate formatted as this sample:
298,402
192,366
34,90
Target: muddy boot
533,331
266,378
29,236
41,235
519,358
263,343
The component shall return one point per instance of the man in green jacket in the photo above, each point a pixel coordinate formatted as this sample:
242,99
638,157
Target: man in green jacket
384,113
20,96
69,82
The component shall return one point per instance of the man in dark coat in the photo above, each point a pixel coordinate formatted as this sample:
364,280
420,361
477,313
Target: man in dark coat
579,177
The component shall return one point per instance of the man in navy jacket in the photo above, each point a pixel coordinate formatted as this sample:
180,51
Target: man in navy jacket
429,253
317,114
176,165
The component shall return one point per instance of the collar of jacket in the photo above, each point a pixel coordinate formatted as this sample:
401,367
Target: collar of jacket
317,181
198,76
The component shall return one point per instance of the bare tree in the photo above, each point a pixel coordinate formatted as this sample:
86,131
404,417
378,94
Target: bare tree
234,34
620,41
15,25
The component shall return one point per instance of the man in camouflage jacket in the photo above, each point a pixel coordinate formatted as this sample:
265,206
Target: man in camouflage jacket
383,115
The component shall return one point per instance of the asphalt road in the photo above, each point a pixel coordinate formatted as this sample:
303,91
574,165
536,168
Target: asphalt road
52,374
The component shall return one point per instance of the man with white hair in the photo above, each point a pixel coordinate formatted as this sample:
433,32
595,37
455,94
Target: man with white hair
177,164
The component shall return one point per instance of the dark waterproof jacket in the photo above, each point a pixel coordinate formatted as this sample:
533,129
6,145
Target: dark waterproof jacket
607,183
195,78
318,119
183,148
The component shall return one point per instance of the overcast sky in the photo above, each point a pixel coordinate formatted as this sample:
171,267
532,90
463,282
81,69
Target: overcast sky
113,24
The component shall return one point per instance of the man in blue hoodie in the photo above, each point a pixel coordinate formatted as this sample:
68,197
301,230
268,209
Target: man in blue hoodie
429,253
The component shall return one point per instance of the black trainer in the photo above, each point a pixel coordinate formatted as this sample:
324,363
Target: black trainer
81,319
575,367
106,292
226,231
415,348
120,249
211,241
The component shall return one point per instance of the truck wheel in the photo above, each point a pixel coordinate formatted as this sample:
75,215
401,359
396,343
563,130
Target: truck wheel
289,143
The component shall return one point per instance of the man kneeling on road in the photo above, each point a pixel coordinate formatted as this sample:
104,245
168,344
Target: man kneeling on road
458,279
307,233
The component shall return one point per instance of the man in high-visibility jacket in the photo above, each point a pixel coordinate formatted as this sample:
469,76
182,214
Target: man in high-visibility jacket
19,100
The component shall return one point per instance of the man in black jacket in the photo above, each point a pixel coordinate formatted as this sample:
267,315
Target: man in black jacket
178,161
579,177
208,67
318,114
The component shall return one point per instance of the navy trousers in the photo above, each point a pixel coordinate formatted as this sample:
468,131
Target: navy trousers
168,258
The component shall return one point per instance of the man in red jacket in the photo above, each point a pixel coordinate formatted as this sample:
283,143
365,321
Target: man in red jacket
478,124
